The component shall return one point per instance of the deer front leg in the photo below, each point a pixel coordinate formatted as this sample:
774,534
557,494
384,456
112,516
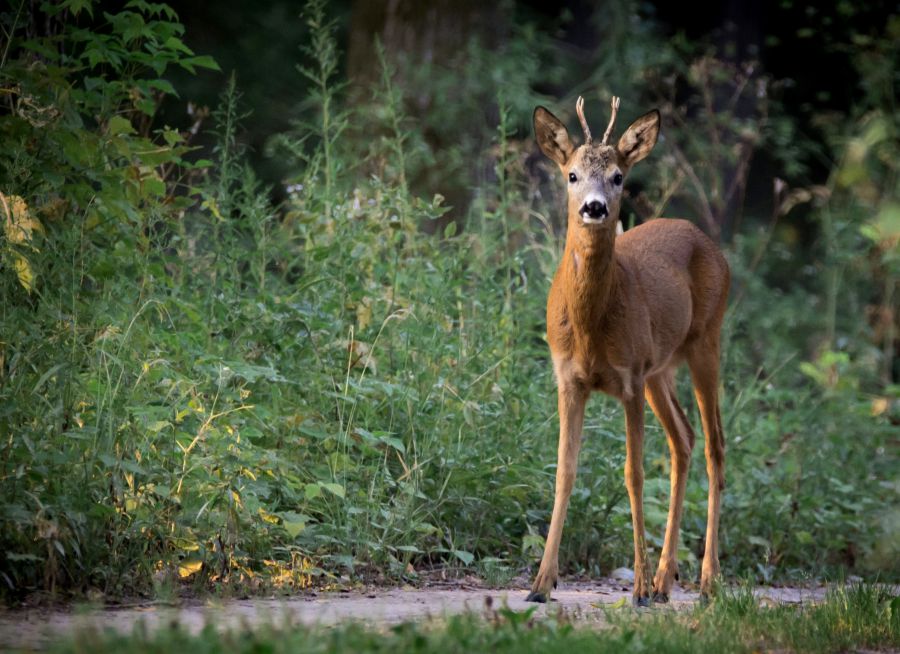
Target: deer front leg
634,482
660,393
572,399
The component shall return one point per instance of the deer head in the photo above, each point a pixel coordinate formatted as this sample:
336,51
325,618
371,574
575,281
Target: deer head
595,172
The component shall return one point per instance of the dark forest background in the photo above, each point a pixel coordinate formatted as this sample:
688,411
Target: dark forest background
585,47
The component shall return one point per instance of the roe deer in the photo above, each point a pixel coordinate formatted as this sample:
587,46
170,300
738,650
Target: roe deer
622,314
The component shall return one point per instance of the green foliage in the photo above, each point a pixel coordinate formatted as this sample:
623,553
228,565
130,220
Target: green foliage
197,385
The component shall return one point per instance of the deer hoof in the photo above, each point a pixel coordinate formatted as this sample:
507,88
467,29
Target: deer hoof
535,596
660,598
640,602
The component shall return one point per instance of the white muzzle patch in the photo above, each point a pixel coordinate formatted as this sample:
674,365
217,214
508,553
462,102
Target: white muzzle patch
585,218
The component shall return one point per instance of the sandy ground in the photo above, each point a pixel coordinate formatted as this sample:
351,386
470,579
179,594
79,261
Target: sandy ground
36,628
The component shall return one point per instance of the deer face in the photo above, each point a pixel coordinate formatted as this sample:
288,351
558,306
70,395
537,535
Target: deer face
595,173
594,179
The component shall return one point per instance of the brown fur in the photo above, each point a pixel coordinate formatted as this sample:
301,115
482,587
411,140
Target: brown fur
622,314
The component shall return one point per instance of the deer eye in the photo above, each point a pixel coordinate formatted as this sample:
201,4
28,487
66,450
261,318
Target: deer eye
617,179
573,178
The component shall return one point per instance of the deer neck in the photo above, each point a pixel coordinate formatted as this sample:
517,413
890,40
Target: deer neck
591,276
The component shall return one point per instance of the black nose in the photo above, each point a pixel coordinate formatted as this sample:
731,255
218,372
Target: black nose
595,209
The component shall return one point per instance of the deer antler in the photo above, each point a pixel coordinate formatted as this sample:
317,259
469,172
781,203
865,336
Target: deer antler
579,107
612,119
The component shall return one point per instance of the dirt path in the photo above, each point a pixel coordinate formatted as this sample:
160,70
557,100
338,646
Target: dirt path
35,628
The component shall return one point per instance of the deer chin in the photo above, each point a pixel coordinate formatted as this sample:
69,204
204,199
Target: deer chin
587,220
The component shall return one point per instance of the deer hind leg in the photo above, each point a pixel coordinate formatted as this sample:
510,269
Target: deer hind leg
572,398
660,393
704,365
634,482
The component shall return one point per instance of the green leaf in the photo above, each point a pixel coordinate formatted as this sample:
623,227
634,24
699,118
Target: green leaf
318,434
171,137
532,542
466,557
154,187
146,106
203,61
293,528
336,489
163,85
101,511
312,491
394,442
47,375
14,556
174,43
131,466
77,6
119,125
158,426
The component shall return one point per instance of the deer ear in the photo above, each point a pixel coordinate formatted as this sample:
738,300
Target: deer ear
639,138
552,136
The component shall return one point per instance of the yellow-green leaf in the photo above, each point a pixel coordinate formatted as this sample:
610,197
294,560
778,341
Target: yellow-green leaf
188,568
19,225
24,272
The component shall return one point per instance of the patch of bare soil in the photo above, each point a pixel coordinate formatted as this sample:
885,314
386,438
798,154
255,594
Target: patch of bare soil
582,601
